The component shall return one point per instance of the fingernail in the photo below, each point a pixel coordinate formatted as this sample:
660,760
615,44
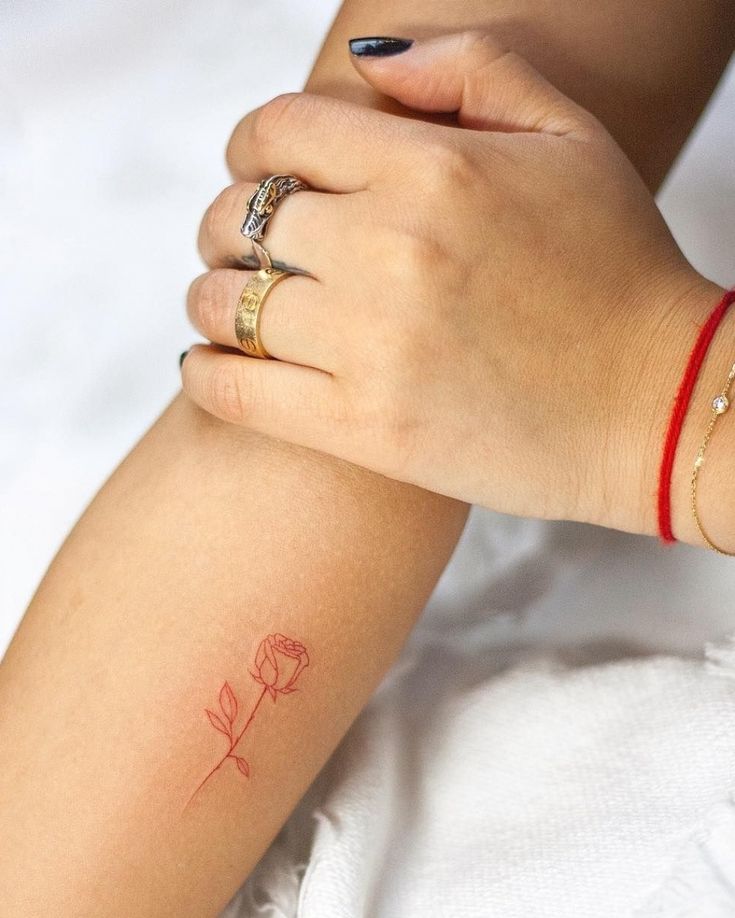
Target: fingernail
181,359
379,47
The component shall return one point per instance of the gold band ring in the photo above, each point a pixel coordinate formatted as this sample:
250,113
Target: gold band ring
247,316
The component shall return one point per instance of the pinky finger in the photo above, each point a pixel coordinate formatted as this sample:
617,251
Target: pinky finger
282,400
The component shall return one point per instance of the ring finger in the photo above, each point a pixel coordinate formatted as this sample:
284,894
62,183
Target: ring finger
294,325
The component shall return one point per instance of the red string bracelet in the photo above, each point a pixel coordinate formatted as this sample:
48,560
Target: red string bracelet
678,413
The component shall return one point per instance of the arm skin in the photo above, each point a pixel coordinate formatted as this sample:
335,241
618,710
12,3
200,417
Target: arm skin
207,538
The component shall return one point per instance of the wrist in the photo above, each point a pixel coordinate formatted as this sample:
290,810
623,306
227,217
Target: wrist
664,331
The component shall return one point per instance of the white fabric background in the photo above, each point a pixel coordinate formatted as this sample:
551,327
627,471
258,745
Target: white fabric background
551,742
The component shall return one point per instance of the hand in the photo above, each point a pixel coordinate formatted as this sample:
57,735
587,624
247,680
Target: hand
490,301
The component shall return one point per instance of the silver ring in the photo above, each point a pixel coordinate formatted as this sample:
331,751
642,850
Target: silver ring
261,207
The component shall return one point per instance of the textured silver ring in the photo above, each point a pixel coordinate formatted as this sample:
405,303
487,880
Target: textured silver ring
261,207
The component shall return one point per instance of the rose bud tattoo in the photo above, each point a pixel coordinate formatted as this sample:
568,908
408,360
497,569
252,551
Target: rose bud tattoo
279,662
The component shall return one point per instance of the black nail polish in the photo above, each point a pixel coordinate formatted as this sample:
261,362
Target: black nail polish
181,359
379,47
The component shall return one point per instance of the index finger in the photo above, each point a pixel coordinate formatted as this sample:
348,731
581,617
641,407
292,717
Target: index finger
330,144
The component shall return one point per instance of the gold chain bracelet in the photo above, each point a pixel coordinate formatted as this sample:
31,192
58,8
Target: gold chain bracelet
720,405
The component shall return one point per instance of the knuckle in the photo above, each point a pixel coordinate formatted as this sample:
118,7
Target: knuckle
271,120
409,353
483,55
262,127
483,50
415,257
384,413
482,46
226,393
217,215
390,422
206,229
233,150
586,125
487,60
421,254
448,166
205,299
335,409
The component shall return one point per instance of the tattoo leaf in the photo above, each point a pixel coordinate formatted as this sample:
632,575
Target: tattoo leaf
218,724
243,766
228,702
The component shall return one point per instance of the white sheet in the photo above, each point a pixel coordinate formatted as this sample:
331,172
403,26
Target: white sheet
552,742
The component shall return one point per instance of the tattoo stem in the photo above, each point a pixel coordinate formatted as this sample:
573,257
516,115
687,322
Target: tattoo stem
228,754
249,721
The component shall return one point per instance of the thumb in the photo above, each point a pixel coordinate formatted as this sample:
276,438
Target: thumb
469,73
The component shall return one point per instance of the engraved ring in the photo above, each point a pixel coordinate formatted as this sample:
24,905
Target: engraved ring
261,207
247,315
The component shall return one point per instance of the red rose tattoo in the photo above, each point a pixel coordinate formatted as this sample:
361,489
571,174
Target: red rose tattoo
279,662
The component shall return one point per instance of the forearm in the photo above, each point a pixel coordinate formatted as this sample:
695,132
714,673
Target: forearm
198,547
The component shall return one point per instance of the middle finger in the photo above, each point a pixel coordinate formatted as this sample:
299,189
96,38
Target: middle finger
294,235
